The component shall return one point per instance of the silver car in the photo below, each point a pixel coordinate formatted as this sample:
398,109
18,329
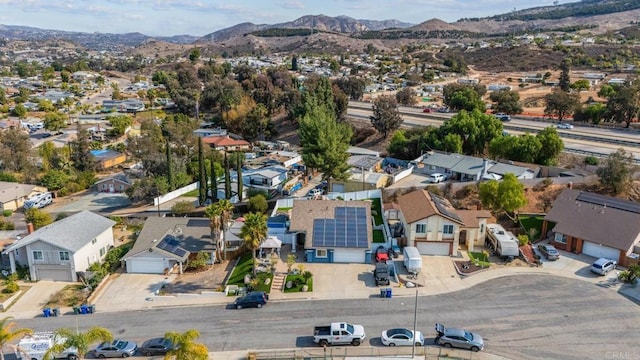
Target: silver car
116,348
602,266
549,251
449,337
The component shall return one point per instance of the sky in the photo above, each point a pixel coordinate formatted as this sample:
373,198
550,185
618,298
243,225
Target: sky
201,17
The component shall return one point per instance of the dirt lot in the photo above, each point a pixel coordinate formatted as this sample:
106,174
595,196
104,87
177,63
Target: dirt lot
211,279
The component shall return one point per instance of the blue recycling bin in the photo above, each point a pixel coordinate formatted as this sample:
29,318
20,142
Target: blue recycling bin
84,309
388,291
46,312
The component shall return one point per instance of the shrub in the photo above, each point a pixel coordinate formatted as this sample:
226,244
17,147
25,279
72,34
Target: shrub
182,207
7,213
591,160
628,276
543,184
11,285
258,204
523,239
199,261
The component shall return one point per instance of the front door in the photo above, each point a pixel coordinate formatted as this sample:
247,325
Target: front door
111,188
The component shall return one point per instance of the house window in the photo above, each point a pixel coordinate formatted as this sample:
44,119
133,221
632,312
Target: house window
121,187
321,253
448,229
37,255
560,238
481,228
64,256
432,167
94,241
102,252
421,228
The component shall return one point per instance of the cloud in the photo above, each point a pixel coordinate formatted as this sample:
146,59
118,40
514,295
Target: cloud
292,4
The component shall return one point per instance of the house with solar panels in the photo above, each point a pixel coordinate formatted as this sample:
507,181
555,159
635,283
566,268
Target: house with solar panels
333,231
435,227
163,242
595,225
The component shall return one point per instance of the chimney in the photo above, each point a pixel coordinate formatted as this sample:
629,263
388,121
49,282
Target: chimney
29,228
485,166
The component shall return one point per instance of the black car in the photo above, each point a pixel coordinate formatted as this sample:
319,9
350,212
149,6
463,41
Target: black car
253,299
156,346
381,274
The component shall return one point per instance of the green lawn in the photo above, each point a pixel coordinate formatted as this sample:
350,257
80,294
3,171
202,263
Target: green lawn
243,268
531,222
479,258
192,193
298,282
378,236
376,209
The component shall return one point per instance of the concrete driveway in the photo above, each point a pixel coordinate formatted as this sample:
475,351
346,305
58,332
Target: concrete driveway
31,303
129,291
92,201
578,265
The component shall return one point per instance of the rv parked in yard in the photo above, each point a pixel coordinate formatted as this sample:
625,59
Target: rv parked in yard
338,333
503,242
39,201
412,259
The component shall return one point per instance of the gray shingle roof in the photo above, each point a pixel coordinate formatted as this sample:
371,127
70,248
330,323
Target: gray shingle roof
70,233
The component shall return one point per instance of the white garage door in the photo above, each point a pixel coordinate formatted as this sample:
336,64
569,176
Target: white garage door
598,251
433,248
54,274
145,266
348,256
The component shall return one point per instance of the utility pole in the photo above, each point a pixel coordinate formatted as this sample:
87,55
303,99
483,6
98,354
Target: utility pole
415,325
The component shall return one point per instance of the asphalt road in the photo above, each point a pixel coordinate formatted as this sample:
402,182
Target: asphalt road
532,317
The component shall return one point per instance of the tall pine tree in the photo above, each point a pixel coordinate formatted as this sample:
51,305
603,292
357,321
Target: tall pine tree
202,193
240,178
214,182
227,178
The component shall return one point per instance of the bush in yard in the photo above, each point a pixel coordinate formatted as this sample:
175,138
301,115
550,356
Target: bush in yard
199,261
182,207
7,213
306,276
591,160
258,204
10,284
291,260
523,239
6,225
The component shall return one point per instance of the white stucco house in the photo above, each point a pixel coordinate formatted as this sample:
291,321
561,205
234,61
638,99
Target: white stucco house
61,249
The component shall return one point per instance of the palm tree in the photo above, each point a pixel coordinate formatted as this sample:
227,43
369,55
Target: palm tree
185,347
253,232
219,214
8,333
80,341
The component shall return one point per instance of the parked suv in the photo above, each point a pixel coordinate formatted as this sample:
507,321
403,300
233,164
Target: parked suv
437,178
603,265
252,299
381,274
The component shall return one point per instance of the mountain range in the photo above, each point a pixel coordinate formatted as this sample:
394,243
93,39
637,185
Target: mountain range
594,15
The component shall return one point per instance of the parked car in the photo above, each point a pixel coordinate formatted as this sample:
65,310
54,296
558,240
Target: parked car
549,251
602,266
382,255
116,348
565,126
338,333
381,274
156,346
426,110
503,117
464,339
315,192
401,337
253,299
437,178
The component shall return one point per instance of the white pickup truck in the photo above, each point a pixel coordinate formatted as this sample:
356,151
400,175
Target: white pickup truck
338,333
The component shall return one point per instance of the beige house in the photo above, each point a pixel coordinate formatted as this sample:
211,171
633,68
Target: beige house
435,227
13,195
60,250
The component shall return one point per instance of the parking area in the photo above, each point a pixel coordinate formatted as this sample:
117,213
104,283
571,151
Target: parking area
129,291
92,201
577,264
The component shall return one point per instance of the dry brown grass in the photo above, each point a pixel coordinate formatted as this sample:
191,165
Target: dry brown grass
70,295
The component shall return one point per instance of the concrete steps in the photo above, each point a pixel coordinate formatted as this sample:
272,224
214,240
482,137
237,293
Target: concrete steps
278,281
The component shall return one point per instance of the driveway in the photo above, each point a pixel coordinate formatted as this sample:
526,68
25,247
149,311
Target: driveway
30,304
578,265
92,201
129,291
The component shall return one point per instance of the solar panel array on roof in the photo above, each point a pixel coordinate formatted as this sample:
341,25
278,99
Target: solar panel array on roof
172,245
444,207
609,202
347,229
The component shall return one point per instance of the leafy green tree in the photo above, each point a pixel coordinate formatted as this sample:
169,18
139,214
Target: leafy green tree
55,179
256,124
20,111
617,170
65,76
81,156
54,121
194,54
186,348
561,104
505,196
37,217
464,97
258,203
593,113
23,95
81,341
623,106
119,124
564,82
46,105
15,151
9,332
580,85
3,96
253,232
606,91
325,142
386,116
406,97
551,146
475,129
506,101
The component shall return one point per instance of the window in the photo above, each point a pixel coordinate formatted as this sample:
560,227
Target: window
560,238
102,251
421,228
37,256
94,241
448,229
321,253
481,228
64,256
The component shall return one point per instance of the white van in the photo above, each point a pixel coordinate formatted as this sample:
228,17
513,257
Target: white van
34,346
412,259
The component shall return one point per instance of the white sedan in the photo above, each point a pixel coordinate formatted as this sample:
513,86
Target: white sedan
401,337
565,126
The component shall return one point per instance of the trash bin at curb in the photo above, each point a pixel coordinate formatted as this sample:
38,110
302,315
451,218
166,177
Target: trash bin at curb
84,309
76,310
56,311
388,292
383,293
92,308
46,312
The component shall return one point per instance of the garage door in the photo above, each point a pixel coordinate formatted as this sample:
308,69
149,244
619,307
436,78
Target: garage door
598,251
433,248
339,188
53,273
348,256
145,266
